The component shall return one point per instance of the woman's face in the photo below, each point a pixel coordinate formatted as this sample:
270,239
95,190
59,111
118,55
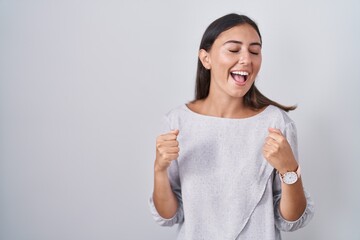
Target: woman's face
234,61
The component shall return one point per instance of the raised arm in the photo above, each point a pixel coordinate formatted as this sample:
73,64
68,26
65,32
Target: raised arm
167,150
279,154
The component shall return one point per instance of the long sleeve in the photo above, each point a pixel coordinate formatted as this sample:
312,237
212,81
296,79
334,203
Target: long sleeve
281,223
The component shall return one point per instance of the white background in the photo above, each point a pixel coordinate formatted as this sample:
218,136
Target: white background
84,83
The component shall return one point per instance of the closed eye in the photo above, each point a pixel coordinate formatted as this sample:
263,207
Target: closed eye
255,50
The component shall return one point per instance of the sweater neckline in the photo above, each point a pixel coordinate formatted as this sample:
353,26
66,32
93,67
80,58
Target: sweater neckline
228,119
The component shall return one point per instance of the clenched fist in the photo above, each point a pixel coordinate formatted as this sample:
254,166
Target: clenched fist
167,150
277,151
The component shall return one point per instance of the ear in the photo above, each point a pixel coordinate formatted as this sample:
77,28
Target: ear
204,57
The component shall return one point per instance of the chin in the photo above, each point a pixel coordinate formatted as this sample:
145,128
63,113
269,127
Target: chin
237,93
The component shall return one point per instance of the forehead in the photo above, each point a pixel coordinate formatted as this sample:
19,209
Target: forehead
244,33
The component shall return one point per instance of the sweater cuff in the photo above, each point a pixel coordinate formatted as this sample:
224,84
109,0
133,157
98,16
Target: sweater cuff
289,226
159,219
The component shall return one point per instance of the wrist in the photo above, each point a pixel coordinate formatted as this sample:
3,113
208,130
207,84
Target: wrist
159,169
290,168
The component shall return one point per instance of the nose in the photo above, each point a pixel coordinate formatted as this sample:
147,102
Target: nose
244,58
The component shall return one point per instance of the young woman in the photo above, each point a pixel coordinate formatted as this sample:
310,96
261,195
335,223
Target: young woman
227,165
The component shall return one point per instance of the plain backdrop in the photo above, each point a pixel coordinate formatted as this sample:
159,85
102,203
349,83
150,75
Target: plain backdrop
84,84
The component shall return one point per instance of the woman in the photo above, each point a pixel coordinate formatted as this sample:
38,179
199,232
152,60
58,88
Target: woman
237,174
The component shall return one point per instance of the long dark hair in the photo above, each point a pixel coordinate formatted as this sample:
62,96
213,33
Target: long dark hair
253,98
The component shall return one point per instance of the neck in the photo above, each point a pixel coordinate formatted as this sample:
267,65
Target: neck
225,107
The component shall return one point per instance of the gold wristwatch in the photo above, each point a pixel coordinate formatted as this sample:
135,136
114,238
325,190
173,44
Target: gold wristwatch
290,177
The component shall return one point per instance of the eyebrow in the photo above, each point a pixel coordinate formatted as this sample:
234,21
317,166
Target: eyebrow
239,42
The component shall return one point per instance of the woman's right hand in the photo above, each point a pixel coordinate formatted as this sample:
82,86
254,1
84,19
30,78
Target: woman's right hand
167,150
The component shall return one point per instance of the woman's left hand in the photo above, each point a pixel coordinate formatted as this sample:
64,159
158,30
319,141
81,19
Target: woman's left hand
277,151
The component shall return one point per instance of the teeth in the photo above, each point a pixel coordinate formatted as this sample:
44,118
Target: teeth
242,73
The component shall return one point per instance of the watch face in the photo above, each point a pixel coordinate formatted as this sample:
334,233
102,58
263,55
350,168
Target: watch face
290,177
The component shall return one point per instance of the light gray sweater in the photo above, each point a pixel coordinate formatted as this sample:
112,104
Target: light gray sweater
225,187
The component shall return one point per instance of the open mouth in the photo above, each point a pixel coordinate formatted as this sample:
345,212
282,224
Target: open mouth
239,77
